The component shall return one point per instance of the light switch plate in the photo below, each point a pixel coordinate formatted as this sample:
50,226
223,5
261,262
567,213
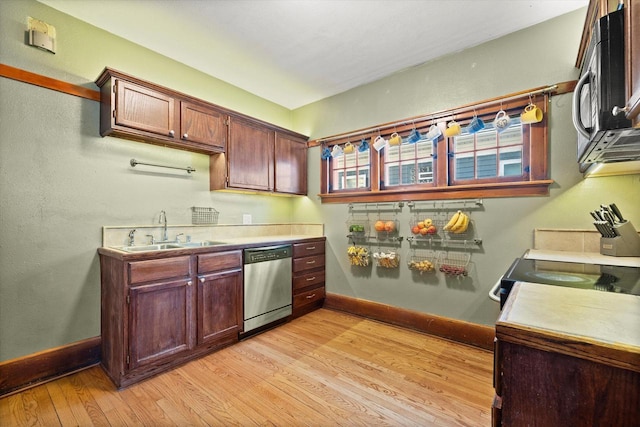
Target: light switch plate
246,218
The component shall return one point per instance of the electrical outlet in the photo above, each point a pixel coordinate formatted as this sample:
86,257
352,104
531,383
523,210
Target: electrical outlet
246,218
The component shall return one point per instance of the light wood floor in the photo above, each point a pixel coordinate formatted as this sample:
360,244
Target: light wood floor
324,369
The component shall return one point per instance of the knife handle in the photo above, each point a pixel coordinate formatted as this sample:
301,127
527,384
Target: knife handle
616,211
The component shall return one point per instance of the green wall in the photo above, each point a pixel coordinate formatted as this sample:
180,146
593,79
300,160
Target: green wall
60,182
540,55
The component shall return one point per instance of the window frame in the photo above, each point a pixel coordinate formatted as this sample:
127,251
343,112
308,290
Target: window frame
535,163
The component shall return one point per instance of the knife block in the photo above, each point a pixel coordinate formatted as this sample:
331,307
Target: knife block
626,243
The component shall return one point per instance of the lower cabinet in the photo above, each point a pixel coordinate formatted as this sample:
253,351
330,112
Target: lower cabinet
159,313
219,310
160,322
308,277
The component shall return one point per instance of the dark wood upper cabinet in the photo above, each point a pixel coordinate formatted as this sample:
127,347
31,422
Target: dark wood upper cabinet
246,153
260,158
134,109
203,125
143,109
290,164
250,155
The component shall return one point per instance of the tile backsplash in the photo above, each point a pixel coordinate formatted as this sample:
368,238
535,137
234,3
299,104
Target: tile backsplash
118,235
566,240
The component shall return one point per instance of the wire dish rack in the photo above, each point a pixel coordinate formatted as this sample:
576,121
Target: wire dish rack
202,215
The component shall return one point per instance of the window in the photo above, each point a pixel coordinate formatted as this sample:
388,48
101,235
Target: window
351,171
487,163
489,154
409,163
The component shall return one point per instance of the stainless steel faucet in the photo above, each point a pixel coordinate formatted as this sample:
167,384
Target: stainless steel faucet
163,220
131,240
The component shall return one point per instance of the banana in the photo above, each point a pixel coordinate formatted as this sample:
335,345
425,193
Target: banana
463,227
459,223
453,220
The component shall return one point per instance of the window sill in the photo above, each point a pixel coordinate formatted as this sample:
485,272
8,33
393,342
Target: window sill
509,189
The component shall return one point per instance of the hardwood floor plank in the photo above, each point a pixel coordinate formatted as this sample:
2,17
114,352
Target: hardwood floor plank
325,368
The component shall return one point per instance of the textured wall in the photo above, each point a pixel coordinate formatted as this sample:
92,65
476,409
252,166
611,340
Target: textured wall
540,55
60,182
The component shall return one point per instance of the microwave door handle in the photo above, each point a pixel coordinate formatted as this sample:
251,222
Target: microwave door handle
577,122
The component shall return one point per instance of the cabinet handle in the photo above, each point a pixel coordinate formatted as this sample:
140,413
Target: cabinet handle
310,296
617,110
185,136
311,262
310,248
189,283
202,280
311,278
171,132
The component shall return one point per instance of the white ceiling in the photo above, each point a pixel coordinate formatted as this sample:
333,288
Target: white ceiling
294,52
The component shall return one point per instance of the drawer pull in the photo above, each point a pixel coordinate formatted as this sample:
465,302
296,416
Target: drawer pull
202,280
189,283
310,296
309,279
311,262
310,248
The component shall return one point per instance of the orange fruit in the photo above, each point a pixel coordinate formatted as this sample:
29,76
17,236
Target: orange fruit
415,229
423,231
379,226
389,226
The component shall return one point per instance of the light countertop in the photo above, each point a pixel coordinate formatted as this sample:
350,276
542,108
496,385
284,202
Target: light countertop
601,326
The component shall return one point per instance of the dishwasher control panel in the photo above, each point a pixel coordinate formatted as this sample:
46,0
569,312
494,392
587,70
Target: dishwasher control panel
269,253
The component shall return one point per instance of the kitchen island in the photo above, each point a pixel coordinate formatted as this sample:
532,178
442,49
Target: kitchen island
567,356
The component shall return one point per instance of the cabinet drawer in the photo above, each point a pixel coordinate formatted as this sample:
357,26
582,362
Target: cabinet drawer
219,261
156,269
309,279
308,297
308,263
309,248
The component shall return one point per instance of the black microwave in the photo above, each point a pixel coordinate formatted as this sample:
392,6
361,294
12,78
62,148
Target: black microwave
604,133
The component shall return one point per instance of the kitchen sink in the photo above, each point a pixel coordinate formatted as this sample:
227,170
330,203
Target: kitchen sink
165,246
201,244
147,248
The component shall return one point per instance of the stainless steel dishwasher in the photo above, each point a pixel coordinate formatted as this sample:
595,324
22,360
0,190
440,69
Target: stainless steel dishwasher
267,285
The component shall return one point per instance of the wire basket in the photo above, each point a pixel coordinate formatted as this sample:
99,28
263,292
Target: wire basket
201,215
423,262
454,263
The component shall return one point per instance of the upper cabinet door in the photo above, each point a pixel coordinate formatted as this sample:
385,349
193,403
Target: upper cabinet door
250,155
144,109
290,164
203,125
